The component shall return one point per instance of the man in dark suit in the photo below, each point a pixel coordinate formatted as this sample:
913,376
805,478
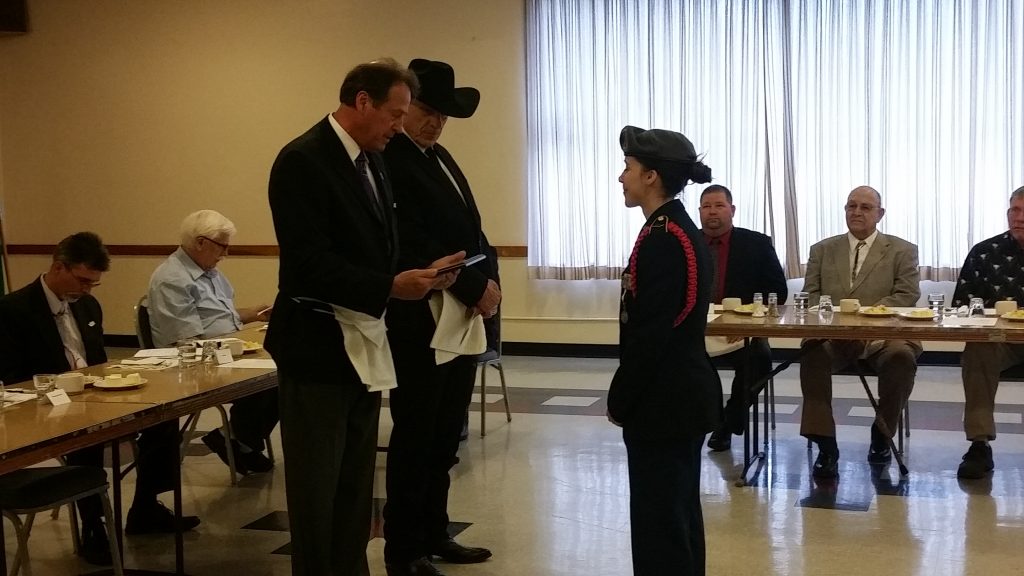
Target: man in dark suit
55,325
744,262
331,200
437,215
879,270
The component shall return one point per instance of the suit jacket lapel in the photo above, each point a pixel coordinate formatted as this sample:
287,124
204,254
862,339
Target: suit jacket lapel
875,255
42,317
466,195
840,255
338,159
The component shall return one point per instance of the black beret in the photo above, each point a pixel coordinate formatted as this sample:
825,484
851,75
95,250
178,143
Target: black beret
657,144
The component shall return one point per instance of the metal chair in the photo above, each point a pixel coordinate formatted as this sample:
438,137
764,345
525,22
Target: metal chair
492,357
144,333
32,490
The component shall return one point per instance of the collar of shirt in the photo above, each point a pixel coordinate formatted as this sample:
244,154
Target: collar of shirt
724,238
57,306
347,141
867,243
190,266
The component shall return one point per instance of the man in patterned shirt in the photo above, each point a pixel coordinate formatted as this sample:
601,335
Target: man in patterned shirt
992,271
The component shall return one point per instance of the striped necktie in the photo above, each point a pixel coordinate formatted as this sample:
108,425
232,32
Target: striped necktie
856,261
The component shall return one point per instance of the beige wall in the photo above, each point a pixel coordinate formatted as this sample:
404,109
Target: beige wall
121,117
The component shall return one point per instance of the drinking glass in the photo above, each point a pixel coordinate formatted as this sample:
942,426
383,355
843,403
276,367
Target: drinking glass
188,354
44,383
800,300
758,303
773,304
976,307
936,302
825,310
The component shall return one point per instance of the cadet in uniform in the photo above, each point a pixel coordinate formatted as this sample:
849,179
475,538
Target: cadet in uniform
665,395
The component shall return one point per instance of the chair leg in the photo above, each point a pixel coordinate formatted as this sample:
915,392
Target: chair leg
270,449
76,534
906,419
771,395
504,391
188,430
483,400
108,517
21,556
229,438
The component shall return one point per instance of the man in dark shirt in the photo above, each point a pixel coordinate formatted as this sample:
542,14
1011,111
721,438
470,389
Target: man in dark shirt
992,271
744,263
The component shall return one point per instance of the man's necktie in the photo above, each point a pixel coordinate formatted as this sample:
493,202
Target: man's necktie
364,176
856,261
716,273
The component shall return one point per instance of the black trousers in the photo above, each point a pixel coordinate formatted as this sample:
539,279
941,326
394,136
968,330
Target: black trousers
154,467
329,435
664,507
752,363
429,409
254,417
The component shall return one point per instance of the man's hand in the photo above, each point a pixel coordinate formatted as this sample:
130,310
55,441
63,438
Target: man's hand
488,304
259,313
413,284
447,279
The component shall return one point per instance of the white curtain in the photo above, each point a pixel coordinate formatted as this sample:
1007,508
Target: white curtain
793,102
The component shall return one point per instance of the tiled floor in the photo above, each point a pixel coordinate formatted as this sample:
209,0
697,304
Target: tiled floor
548,493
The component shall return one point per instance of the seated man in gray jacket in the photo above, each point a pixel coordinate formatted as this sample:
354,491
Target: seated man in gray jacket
879,270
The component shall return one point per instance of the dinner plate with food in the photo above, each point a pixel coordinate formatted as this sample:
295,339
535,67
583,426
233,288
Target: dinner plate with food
918,314
1015,316
877,311
251,347
120,382
746,309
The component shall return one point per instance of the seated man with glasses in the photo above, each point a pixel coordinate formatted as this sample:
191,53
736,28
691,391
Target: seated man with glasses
189,298
54,325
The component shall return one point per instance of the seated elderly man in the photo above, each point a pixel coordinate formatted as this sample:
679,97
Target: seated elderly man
189,298
992,272
55,325
879,270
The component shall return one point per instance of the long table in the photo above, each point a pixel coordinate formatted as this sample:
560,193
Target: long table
34,431
843,326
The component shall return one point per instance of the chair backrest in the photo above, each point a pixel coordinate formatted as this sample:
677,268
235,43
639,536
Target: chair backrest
143,330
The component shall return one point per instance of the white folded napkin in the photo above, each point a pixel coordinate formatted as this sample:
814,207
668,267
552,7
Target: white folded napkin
456,334
366,343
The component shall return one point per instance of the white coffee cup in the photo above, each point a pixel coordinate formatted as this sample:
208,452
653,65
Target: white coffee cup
731,303
71,382
237,347
1005,307
849,305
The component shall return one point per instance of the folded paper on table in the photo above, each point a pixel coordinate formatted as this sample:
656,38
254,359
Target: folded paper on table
261,363
366,343
157,353
456,334
11,398
152,361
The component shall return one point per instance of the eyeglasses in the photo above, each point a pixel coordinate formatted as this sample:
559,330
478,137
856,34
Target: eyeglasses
223,246
861,207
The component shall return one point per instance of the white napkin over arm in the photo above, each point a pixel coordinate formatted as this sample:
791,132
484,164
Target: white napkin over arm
455,333
367,346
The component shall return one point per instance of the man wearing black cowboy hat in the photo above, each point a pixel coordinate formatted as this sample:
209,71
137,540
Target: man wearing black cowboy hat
436,214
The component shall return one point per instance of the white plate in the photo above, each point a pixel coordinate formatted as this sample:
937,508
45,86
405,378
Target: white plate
910,316
1012,318
251,347
92,380
115,385
887,314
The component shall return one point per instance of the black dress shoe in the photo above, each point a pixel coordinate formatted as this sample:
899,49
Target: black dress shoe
721,439
977,462
95,548
252,461
452,551
418,567
216,443
826,465
879,454
155,518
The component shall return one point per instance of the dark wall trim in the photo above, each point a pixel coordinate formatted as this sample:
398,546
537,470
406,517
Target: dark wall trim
264,250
